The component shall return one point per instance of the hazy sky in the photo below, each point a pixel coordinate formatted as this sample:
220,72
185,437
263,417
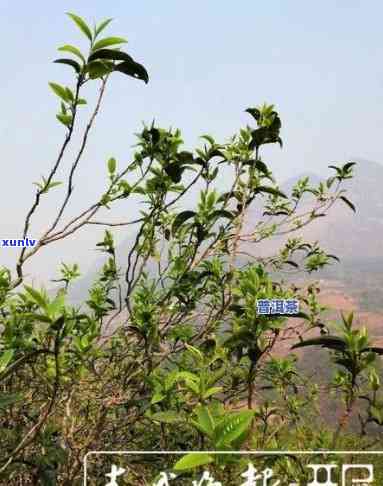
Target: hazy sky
320,63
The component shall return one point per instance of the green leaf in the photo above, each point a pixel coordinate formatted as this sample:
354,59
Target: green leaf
36,296
261,166
254,112
174,171
72,50
335,168
195,351
157,397
329,182
58,323
205,420
186,376
97,69
53,184
212,391
69,94
222,213
348,166
216,375
348,202
193,386
208,138
331,342
70,62
270,190
64,119
232,427
170,380
57,304
139,190
264,135
5,359
101,27
181,218
60,91
112,54
112,165
191,461
37,317
81,24
133,69
108,41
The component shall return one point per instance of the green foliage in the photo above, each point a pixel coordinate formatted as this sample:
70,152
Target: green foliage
191,461
81,24
99,64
